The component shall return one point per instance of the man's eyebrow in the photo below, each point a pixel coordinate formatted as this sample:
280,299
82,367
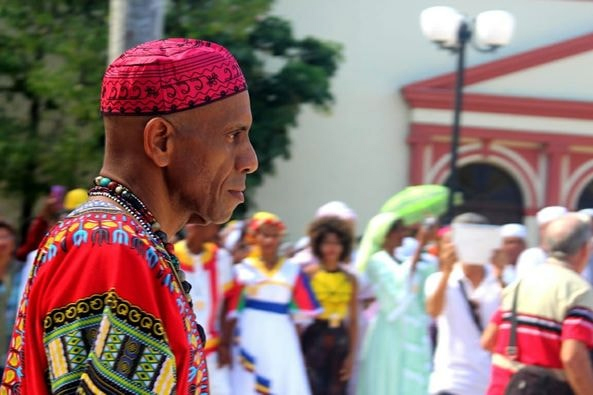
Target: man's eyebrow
238,126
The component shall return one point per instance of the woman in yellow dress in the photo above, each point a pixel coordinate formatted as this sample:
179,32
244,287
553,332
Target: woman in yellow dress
329,342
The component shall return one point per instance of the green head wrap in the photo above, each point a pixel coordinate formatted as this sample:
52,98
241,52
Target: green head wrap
374,237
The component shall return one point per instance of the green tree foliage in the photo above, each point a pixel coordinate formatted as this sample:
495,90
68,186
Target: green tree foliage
54,55
282,71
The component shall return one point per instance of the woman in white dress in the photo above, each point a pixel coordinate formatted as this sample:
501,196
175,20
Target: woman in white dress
272,290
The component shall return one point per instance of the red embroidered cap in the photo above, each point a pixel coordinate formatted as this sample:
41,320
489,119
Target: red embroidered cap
169,75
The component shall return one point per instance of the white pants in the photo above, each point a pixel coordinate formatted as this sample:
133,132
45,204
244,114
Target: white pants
220,378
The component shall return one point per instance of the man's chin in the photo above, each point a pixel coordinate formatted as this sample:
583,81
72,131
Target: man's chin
202,220
196,219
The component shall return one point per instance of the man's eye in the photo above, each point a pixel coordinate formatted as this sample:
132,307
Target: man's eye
234,135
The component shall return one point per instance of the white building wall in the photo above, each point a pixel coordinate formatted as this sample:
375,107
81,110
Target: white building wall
357,153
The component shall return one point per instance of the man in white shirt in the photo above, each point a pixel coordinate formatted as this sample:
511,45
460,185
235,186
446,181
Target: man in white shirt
462,297
535,256
513,244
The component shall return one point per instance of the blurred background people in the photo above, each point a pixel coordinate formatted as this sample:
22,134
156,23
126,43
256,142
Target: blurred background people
71,200
233,239
462,297
39,225
303,253
272,288
535,256
10,278
396,352
514,242
554,313
208,268
329,343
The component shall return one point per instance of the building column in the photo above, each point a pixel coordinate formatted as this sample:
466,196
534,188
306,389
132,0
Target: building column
554,153
416,168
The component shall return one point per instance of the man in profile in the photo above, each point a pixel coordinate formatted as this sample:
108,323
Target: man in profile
106,309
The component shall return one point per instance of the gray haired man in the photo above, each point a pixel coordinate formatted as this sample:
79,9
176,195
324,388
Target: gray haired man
554,313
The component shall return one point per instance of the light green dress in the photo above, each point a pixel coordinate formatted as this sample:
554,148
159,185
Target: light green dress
396,352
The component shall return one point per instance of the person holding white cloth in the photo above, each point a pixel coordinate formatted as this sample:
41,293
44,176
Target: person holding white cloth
462,297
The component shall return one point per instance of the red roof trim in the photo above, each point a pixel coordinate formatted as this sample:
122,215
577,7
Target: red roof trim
443,99
511,64
437,93
558,141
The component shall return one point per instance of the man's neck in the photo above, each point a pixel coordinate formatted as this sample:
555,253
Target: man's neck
154,195
474,273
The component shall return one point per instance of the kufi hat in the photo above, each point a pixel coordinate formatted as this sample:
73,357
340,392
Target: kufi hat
550,213
170,75
513,230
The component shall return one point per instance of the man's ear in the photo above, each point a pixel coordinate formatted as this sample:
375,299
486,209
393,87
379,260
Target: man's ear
158,140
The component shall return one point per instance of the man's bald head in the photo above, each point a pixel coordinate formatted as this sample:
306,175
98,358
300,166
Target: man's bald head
567,235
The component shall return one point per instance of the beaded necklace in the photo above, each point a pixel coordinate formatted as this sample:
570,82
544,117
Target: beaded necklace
137,209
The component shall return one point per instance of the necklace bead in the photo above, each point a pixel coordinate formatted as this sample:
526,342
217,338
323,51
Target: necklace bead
138,210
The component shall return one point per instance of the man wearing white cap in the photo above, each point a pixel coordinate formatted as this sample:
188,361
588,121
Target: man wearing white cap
535,256
513,244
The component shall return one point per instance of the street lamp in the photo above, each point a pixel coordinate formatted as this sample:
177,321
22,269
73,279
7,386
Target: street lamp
452,30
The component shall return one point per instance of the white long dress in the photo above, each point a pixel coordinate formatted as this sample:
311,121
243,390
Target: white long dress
269,353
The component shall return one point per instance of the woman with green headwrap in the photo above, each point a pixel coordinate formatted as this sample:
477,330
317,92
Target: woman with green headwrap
395,354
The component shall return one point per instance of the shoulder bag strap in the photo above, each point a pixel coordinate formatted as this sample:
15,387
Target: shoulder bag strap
512,351
473,311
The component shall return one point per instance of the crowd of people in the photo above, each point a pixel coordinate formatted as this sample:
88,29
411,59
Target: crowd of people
396,313
134,287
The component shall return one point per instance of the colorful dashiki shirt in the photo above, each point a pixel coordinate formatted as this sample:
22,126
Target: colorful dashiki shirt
270,355
104,313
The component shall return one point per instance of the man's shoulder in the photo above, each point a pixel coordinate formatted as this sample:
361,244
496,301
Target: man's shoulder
556,285
532,253
104,233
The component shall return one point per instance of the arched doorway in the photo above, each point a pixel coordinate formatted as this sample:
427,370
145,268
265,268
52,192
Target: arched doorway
490,191
586,198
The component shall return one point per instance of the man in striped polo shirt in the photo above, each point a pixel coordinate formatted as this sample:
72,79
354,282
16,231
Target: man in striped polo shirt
554,313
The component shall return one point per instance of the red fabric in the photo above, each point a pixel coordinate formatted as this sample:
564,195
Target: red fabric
210,267
72,267
499,381
579,329
170,75
36,232
539,340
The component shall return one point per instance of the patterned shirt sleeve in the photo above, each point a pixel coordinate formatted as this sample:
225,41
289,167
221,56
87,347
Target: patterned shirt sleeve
105,344
102,332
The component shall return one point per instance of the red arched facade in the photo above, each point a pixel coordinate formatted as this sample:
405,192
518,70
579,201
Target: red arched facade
549,167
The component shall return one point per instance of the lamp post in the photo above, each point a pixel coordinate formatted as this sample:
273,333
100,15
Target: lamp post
452,31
